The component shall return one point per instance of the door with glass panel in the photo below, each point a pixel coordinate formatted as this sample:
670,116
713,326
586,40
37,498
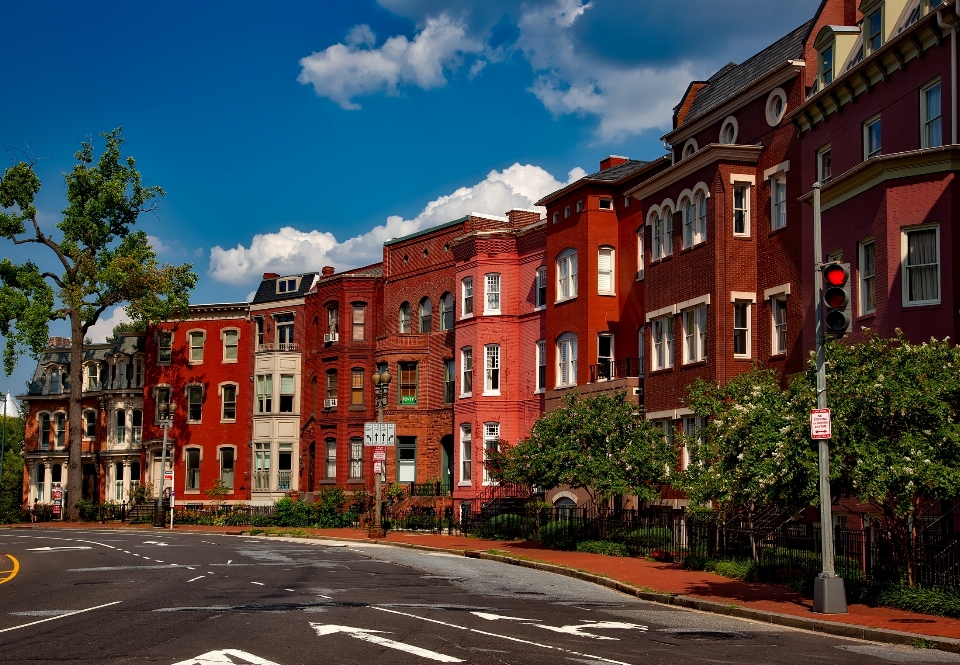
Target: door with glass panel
406,459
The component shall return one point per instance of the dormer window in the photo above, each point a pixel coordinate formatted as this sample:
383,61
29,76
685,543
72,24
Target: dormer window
606,204
826,66
873,32
286,285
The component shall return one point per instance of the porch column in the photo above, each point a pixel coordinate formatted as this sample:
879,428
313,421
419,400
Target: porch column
126,480
47,478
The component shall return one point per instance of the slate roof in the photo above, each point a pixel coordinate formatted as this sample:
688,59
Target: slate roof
612,175
128,345
733,79
267,291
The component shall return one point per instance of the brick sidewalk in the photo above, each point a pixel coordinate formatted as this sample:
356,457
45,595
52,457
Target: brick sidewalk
640,573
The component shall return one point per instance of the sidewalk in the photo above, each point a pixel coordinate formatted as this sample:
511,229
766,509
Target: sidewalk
665,578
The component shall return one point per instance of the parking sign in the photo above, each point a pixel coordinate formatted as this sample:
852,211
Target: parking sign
820,425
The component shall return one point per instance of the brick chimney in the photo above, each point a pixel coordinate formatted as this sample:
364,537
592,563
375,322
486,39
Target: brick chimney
270,275
851,12
520,218
611,161
327,271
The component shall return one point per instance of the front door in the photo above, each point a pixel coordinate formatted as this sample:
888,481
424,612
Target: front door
446,463
406,459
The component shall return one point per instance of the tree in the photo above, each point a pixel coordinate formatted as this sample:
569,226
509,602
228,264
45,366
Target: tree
599,443
104,263
11,479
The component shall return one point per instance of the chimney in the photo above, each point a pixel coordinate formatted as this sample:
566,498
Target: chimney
270,275
520,218
327,271
850,12
611,161
59,343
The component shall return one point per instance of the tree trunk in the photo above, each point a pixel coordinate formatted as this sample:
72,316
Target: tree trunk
75,423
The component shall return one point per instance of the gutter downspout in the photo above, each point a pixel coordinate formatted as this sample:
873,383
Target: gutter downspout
953,70
669,148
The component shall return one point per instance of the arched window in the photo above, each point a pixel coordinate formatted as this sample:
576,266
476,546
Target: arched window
404,318
688,219
567,275
446,312
426,315
663,233
700,225
566,360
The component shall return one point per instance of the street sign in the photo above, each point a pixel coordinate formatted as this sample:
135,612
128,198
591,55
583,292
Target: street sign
168,477
57,500
378,467
379,434
820,425
380,454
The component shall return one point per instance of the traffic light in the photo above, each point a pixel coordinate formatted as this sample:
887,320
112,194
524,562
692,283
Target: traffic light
836,299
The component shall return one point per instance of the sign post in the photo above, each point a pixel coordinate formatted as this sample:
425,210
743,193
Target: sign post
378,436
58,502
168,478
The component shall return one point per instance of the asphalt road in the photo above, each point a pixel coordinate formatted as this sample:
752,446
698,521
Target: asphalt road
105,596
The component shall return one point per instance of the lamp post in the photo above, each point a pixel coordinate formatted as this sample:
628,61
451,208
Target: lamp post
381,382
165,411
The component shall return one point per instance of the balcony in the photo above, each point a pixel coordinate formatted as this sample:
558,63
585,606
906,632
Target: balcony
278,346
616,369
283,480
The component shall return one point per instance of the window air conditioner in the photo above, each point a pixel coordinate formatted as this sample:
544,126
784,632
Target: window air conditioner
330,403
331,337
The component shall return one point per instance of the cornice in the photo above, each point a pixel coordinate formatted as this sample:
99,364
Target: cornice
714,152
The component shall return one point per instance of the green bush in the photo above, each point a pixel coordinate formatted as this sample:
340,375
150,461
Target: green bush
507,527
560,535
604,547
287,512
261,520
645,538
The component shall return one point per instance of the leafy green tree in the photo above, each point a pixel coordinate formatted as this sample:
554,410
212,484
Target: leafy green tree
104,263
599,443
11,481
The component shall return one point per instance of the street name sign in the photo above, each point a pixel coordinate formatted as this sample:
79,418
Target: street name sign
820,424
379,434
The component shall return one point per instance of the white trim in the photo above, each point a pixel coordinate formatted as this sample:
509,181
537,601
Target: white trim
565,494
748,342
749,296
663,311
692,302
865,135
691,143
782,290
684,412
670,414
904,285
782,167
729,121
923,112
742,179
774,120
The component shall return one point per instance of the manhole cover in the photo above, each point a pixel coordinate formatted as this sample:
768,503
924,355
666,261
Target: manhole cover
713,635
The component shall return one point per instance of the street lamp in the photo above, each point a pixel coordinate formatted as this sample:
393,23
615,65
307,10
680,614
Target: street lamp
381,382
165,411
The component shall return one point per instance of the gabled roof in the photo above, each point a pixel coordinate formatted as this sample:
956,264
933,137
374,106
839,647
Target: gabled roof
267,291
611,176
733,79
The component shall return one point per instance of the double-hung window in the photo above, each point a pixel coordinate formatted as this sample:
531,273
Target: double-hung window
567,275
778,202
466,372
467,289
491,379
331,389
287,393
605,270
871,138
541,364
193,469
663,234
662,342
333,321
741,329
826,67
741,209
359,321
330,459
541,287
492,293
491,444
264,393
868,277
931,132
408,383
446,312
195,403
639,253
89,424
60,434
873,32
93,377
45,431
699,218
824,164
164,347
227,458
567,360
778,308
284,323
921,266
695,334
356,458
230,338
688,215
356,386
404,318
426,315
449,381
466,453
229,400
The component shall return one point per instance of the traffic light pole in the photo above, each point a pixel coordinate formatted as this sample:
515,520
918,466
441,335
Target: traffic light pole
829,595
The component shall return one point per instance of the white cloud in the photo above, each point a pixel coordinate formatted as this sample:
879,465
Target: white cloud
158,245
103,328
290,250
344,71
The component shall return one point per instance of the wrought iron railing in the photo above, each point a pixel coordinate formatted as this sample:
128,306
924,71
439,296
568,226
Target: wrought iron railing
283,480
278,346
261,481
608,370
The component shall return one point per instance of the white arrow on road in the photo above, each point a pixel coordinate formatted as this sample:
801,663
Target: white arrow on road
578,629
367,635
52,549
224,656
155,542
497,617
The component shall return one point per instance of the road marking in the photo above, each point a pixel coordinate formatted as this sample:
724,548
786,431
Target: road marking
223,656
54,549
288,589
158,560
504,637
199,577
496,617
367,635
155,542
69,614
229,561
13,572
578,629
210,572
260,583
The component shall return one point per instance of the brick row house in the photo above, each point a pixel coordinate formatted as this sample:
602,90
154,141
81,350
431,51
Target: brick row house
643,276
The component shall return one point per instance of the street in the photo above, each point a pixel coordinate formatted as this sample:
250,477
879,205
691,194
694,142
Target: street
110,596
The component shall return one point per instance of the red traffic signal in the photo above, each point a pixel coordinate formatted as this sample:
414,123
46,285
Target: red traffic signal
836,298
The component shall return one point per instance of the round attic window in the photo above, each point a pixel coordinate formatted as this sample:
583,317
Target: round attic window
776,106
729,130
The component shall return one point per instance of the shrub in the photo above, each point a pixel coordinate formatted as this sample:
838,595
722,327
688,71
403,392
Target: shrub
287,512
261,520
560,535
507,527
604,547
645,538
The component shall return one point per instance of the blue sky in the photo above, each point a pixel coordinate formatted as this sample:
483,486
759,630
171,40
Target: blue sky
292,135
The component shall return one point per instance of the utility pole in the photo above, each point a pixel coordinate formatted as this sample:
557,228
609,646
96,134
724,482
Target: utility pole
829,594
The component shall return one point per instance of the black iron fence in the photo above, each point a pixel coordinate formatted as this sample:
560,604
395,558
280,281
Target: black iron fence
607,370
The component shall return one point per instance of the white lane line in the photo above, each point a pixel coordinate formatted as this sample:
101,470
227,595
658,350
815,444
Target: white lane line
198,577
504,637
34,623
148,558
257,583
210,572
158,560
367,635
288,589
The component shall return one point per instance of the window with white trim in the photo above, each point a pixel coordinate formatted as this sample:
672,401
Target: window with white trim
446,312
355,471
688,216
466,372
566,360
93,376
641,349
694,220
640,253
778,310
605,204
196,347
230,342
333,319
466,453
663,234
541,364
868,277
330,459
826,66
662,339
824,164
425,315
541,297
288,392
194,404
164,347
466,308
491,376
741,329
492,293
227,460
89,424
873,32
192,460
56,386
694,334
60,429
741,209
491,444
580,206
921,266
567,275
778,202
605,263
605,360
694,428
931,110
45,431
555,217
404,318
264,393
871,138
228,398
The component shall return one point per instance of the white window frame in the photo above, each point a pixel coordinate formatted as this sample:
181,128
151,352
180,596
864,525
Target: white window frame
904,271
661,341
605,203
191,334
566,360
748,329
611,272
822,72
778,303
866,280
825,151
491,369
626,201
567,275
730,123
492,287
926,121
665,232
84,422
747,187
405,323
555,216
640,257
86,376
695,334
541,362
868,125
491,435
867,35
465,354
641,350
778,203
686,237
540,285
466,453
466,292
223,402
203,398
580,205
700,217
224,334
